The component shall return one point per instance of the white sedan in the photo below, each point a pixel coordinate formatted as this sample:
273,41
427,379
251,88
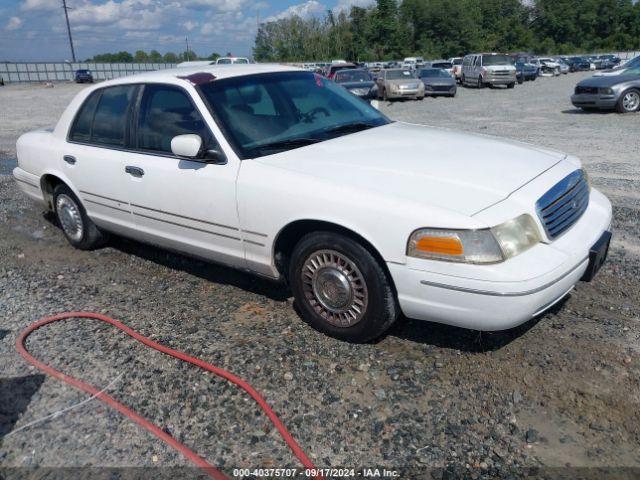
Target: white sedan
283,173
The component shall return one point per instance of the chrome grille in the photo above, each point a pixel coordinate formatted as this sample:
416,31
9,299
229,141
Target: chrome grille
564,204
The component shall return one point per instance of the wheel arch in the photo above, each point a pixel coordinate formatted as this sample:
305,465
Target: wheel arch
49,181
289,235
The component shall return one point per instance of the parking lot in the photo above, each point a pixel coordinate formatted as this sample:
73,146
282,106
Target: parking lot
561,392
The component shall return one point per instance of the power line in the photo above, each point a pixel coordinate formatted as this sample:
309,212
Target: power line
66,16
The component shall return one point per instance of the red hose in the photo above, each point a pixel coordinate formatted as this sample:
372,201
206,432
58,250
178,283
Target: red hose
188,453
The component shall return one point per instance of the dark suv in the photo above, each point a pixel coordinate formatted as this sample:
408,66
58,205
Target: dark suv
83,76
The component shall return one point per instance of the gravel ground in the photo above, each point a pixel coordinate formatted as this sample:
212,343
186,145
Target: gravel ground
560,393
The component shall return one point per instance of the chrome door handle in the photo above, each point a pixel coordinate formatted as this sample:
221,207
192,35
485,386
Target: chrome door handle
70,159
135,171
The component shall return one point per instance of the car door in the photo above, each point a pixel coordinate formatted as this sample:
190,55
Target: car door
95,153
181,203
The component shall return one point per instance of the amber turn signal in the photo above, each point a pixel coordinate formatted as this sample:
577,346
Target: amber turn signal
440,245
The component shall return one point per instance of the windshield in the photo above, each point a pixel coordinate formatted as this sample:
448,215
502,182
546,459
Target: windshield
457,61
434,72
398,74
441,65
488,60
271,112
241,60
345,76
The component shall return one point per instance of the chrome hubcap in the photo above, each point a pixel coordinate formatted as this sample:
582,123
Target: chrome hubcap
335,288
70,218
631,101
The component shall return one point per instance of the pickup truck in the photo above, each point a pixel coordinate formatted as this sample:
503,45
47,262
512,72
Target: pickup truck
279,171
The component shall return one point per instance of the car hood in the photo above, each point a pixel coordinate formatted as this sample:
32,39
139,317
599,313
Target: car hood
352,85
461,172
608,81
438,81
612,73
404,81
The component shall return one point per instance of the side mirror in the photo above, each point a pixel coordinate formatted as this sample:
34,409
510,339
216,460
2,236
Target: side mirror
189,146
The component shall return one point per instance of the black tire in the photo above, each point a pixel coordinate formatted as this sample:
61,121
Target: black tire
90,236
511,85
380,309
480,82
520,81
384,95
621,107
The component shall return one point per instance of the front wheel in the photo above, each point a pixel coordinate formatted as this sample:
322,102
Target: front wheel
629,101
80,231
480,82
511,85
340,288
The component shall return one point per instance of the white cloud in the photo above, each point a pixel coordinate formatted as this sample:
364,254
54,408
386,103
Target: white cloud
307,9
14,23
219,5
347,4
40,5
190,25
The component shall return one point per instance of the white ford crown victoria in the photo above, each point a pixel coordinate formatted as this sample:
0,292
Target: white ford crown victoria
282,173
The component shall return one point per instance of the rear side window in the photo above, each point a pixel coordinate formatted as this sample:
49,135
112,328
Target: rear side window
166,112
110,119
81,130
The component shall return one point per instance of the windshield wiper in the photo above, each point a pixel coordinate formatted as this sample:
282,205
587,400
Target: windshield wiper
351,127
285,144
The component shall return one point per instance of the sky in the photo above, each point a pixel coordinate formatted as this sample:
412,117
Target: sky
35,30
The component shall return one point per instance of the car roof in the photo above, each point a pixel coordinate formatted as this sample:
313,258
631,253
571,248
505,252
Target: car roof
174,75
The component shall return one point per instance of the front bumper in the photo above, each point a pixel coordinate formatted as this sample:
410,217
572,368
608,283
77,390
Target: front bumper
507,294
594,100
405,92
501,80
433,92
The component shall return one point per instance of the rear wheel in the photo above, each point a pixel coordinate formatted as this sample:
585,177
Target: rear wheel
340,287
629,101
80,231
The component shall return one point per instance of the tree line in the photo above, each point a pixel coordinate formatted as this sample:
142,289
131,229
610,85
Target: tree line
444,28
153,56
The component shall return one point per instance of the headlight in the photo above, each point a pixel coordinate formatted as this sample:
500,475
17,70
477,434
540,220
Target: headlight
606,91
491,245
517,235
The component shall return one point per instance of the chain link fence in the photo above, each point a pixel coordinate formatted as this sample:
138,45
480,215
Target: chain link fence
63,71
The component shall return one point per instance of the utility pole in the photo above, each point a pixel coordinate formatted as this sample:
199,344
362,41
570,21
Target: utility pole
66,16
186,39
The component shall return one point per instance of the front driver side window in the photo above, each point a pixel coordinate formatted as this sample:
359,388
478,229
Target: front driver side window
166,112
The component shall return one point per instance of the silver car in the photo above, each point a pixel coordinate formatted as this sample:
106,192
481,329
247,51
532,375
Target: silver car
482,69
619,92
399,83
